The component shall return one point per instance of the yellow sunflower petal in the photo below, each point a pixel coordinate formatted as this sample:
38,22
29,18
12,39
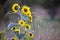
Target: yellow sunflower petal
25,9
14,7
30,19
28,14
21,22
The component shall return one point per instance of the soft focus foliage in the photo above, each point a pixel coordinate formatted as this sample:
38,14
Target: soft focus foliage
1,35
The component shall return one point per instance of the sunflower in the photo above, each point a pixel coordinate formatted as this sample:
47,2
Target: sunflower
27,26
13,28
30,19
15,38
15,7
21,22
17,30
31,35
25,9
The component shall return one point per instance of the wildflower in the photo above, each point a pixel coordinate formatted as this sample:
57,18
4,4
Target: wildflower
15,7
27,26
17,30
25,9
15,38
31,35
13,28
21,22
28,14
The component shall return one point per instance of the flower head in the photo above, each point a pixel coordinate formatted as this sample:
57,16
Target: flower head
25,9
15,29
21,22
18,31
27,26
15,7
15,38
31,35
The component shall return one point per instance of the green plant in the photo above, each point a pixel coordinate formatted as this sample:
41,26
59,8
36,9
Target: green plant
1,35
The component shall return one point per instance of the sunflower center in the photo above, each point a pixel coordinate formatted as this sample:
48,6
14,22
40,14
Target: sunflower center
27,27
21,22
17,31
25,10
12,39
30,34
14,28
16,7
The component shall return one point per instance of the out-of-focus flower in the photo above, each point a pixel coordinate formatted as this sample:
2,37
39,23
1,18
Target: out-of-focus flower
21,22
25,9
15,29
27,26
29,14
31,35
15,38
15,7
